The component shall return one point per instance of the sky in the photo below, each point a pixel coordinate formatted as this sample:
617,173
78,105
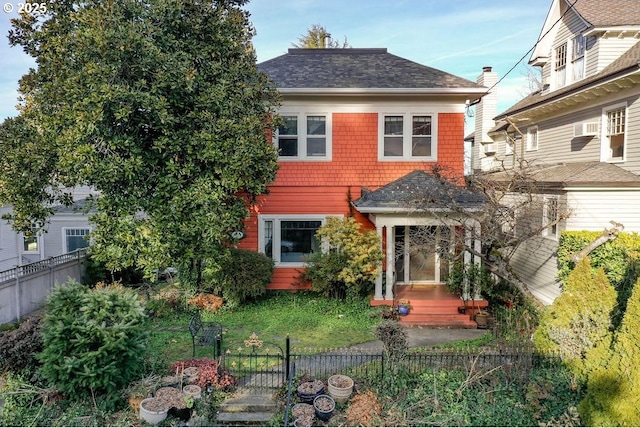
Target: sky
457,36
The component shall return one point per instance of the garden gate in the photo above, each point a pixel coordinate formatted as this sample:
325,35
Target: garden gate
256,364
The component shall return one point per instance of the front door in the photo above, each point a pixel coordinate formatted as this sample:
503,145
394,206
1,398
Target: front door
418,251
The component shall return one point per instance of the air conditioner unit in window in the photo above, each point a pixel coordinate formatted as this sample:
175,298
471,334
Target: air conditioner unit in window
585,129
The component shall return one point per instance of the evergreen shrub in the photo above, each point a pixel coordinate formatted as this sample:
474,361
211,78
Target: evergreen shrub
94,339
613,389
241,277
579,320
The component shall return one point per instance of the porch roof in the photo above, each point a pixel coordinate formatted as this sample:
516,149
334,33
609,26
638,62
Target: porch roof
575,174
418,191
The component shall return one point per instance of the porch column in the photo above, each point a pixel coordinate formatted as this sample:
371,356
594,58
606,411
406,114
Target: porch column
466,292
378,291
390,263
477,246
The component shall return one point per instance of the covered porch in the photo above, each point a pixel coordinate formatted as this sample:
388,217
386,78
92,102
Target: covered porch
422,222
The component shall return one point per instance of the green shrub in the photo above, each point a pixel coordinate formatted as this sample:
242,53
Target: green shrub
579,320
96,271
613,389
351,263
242,276
94,340
18,348
620,259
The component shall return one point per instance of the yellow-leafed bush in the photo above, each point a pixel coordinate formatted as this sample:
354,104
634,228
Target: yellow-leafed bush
613,389
577,325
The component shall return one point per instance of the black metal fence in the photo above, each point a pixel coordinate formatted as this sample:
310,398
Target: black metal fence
258,364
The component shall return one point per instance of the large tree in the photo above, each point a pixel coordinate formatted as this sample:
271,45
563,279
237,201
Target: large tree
318,37
158,105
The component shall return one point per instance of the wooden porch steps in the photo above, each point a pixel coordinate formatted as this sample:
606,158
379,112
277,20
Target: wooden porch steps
434,306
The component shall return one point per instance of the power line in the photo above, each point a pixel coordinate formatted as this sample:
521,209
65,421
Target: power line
534,46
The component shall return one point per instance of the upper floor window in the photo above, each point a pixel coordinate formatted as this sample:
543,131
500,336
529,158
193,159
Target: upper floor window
532,138
407,137
577,57
31,241
74,239
304,136
614,133
561,65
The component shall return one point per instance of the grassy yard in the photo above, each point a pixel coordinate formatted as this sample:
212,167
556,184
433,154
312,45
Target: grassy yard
309,320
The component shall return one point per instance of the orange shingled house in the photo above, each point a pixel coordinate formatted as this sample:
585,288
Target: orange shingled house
361,126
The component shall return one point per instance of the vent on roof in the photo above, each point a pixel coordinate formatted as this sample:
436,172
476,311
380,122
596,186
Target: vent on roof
585,129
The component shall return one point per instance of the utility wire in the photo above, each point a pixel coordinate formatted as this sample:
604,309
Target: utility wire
534,46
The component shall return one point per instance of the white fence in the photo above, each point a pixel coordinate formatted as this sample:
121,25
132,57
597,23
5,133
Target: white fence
24,289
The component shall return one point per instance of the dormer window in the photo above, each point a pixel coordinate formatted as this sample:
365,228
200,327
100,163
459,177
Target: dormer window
561,65
577,57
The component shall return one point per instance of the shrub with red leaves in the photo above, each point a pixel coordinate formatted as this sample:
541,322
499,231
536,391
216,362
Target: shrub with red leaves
209,373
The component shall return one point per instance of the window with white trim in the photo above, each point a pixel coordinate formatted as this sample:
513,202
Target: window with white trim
75,238
31,241
532,138
614,133
510,143
289,238
405,136
577,57
560,69
304,137
550,217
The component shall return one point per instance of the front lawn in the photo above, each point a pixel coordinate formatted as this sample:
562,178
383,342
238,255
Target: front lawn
309,320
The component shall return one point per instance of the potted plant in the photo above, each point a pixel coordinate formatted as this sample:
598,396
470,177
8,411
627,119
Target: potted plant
340,387
309,390
324,406
404,306
153,410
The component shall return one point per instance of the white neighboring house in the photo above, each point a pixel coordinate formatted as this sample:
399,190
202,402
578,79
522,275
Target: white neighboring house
580,132
65,232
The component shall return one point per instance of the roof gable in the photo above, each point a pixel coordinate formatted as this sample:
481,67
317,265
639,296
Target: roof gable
417,190
357,69
628,63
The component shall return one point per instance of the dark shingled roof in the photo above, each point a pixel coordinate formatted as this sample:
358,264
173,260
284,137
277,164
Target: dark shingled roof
579,174
418,190
355,68
78,207
609,13
626,63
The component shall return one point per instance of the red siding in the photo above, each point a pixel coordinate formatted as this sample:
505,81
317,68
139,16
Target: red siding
323,187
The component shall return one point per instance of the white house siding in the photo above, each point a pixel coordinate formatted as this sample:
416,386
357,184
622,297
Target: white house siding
535,263
595,209
611,48
54,239
632,157
8,244
556,142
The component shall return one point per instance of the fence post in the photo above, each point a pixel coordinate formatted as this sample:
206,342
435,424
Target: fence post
287,356
18,300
